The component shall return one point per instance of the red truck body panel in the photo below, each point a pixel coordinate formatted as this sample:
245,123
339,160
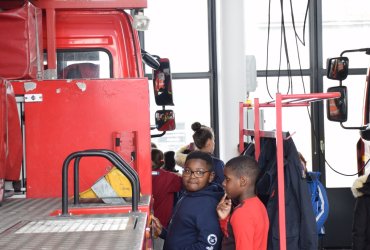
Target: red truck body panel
77,115
10,134
3,133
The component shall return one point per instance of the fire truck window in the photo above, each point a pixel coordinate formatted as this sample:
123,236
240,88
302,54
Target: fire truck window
83,64
80,71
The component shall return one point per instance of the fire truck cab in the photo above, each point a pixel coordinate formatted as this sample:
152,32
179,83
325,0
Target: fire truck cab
75,104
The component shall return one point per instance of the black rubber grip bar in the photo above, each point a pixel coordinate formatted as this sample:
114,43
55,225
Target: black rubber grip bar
124,164
113,159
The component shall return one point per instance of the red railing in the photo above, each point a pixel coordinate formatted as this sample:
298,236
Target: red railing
293,100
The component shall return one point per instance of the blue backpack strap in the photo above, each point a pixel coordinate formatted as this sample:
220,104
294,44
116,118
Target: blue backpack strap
319,200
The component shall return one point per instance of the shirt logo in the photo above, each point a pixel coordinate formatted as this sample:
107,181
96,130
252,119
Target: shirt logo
212,239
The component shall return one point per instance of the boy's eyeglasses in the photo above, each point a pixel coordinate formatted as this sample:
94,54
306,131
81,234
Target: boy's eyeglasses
197,173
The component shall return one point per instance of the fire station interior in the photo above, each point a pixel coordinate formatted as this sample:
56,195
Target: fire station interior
256,49
227,58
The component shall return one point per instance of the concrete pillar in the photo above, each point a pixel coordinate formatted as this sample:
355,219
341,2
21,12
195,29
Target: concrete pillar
232,70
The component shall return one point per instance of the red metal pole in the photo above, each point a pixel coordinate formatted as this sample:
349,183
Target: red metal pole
257,139
51,45
280,172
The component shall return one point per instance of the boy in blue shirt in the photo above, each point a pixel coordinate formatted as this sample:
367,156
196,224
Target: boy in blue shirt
194,223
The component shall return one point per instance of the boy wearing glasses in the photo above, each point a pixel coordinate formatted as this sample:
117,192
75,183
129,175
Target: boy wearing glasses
194,223
247,226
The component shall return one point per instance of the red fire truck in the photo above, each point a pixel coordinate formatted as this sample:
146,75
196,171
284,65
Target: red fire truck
74,103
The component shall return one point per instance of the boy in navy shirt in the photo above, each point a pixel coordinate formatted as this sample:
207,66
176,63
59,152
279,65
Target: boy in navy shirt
194,223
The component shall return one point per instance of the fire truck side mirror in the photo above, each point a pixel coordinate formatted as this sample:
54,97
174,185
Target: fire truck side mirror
165,120
162,83
336,109
365,133
149,59
337,68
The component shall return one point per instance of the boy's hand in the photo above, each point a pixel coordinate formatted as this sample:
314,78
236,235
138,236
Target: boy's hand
224,207
156,226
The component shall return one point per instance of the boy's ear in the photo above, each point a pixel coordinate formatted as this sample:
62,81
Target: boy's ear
243,180
211,177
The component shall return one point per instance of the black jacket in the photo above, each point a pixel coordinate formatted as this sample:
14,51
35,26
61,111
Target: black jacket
361,218
300,220
194,223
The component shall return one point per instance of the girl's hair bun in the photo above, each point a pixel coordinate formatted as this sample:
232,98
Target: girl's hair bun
196,126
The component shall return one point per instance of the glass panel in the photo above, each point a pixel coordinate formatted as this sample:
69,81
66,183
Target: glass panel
274,85
256,26
343,157
178,30
346,27
192,103
83,64
295,120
